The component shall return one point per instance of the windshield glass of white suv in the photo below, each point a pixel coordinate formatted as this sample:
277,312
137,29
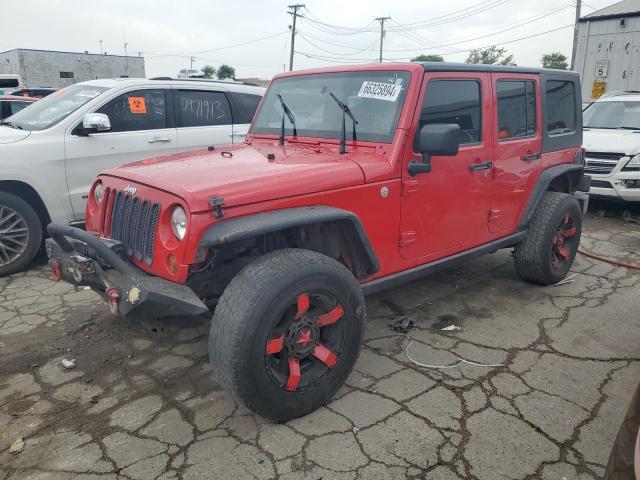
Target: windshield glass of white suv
52,109
614,114
375,99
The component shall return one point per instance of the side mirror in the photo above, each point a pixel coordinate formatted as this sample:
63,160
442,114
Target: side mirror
95,122
435,139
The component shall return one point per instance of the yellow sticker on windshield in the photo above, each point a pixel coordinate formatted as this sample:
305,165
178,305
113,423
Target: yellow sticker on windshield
137,105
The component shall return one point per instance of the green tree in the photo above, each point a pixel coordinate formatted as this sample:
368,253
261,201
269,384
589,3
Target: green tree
490,56
428,58
208,71
226,71
555,60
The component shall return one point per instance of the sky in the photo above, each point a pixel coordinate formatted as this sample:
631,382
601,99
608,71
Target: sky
254,36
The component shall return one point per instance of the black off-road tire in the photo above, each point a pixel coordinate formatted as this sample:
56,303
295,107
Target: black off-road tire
533,257
34,226
253,304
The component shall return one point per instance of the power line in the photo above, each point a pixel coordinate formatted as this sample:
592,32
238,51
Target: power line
367,48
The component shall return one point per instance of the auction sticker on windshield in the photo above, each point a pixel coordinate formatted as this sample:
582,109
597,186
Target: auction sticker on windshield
137,105
380,91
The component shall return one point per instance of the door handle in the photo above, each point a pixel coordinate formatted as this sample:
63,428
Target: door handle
480,166
159,140
531,156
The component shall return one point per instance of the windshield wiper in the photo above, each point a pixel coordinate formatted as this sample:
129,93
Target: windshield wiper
629,128
12,125
345,111
286,111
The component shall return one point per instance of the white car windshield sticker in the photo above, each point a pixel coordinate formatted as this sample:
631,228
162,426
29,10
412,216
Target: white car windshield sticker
381,91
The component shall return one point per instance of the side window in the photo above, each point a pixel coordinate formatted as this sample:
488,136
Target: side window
246,105
454,101
516,109
196,108
560,107
137,110
15,107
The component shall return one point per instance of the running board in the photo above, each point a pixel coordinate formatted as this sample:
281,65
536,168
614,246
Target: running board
405,276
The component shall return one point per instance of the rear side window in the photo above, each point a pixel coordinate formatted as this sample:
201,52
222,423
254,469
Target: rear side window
245,106
9,82
516,109
454,101
560,107
137,110
196,108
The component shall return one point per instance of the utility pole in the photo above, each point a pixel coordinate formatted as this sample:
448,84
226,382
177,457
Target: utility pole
381,20
100,42
294,13
576,28
192,60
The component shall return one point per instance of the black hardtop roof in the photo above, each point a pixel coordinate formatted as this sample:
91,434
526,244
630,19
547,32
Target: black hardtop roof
471,67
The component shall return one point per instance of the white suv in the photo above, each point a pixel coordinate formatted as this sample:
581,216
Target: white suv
51,151
612,143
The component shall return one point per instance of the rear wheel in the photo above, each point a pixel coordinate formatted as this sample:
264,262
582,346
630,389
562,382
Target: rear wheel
553,237
20,233
287,332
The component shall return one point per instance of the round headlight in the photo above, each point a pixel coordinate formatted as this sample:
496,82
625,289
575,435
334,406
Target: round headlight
179,222
98,192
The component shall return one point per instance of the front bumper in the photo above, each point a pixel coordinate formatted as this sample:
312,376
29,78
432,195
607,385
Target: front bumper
84,259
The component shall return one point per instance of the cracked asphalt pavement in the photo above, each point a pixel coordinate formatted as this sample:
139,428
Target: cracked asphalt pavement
141,403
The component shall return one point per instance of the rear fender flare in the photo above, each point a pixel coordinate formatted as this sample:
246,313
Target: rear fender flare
574,173
241,228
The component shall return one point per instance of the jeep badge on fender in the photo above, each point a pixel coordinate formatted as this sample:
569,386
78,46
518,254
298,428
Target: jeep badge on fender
350,180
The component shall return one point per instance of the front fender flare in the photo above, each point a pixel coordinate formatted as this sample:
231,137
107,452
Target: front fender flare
240,228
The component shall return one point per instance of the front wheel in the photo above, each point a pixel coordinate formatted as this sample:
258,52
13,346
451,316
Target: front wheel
20,233
287,332
553,237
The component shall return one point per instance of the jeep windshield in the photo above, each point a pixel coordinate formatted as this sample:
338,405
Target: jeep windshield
53,108
613,115
374,97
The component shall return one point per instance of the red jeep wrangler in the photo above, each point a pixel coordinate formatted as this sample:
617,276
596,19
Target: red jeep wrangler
351,180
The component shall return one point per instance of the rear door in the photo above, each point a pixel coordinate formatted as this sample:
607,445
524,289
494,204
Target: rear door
141,127
244,107
444,211
517,147
203,118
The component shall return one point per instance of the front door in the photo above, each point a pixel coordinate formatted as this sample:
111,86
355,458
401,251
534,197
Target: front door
445,211
517,147
141,127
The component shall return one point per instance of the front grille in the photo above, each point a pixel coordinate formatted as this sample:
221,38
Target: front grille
601,163
134,222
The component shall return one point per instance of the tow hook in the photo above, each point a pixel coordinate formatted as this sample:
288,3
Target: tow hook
113,296
56,270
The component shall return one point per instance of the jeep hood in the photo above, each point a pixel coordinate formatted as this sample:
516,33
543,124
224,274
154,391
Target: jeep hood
243,174
603,140
12,135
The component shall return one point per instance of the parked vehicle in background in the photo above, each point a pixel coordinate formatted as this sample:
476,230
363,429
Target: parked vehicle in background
10,105
612,142
351,180
9,81
50,153
37,92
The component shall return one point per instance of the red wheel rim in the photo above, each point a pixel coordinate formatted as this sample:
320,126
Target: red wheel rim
307,342
563,242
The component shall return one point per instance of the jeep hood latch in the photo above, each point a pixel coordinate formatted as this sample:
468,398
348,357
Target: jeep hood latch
217,203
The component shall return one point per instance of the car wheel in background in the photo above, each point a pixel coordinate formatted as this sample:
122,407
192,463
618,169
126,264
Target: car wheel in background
20,233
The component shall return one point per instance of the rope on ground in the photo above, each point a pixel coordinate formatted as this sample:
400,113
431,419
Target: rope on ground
612,261
459,362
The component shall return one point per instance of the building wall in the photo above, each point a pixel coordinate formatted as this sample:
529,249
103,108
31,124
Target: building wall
40,68
607,40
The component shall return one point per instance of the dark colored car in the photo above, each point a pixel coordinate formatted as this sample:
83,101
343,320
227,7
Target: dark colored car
10,104
38,92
